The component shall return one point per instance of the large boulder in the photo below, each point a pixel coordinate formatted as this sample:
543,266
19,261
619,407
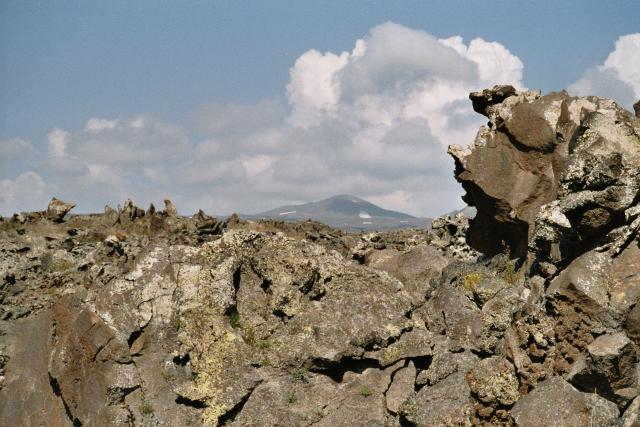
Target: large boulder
170,208
57,209
553,172
556,402
610,367
448,403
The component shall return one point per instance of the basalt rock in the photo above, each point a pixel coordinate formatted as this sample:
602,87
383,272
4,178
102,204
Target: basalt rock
57,209
556,402
552,175
135,318
170,208
609,367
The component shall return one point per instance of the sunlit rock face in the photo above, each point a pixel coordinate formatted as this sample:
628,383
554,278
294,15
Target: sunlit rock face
553,174
525,315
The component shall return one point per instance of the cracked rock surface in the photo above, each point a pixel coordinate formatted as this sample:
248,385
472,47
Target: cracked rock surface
525,315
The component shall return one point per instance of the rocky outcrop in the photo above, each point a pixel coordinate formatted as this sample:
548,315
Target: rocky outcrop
551,174
556,402
57,209
141,318
170,208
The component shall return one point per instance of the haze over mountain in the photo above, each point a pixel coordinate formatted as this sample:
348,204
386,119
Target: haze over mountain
344,211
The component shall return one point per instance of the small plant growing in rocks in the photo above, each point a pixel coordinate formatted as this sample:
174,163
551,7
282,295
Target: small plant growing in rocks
509,269
264,344
471,281
365,391
300,375
145,408
234,318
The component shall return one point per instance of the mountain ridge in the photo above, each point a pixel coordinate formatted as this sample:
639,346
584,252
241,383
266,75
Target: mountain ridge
343,211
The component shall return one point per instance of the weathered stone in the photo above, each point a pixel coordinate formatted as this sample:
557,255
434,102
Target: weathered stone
150,318
401,387
631,416
444,404
83,363
170,208
285,400
418,269
604,287
446,363
29,395
610,368
450,312
556,402
418,342
130,212
549,170
487,97
57,209
493,380
451,237
363,401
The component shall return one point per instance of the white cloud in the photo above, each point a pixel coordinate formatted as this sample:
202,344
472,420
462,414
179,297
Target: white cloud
97,125
396,74
257,164
230,119
157,175
396,200
58,140
388,109
14,148
24,193
142,140
313,89
495,63
373,121
625,61
618,77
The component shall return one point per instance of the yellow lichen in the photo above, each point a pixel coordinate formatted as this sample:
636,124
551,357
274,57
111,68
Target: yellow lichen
471,281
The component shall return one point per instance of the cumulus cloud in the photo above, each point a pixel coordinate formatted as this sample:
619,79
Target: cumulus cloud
15,148
394,74
24,193
313,90
98,125
373,121
58,140
384,112
618,77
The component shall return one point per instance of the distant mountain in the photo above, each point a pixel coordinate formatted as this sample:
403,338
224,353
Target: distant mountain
468,211
346,212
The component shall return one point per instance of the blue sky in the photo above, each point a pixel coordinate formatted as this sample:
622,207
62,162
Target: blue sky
182,66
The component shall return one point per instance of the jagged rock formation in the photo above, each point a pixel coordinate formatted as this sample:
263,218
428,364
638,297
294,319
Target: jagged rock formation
137,317
57,209
577,157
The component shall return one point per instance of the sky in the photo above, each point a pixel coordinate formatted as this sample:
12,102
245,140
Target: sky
242,106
